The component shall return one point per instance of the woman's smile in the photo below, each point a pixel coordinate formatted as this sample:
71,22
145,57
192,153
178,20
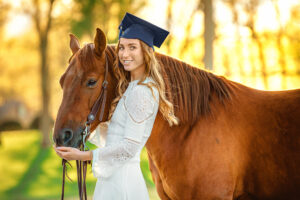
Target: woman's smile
127,61
131,57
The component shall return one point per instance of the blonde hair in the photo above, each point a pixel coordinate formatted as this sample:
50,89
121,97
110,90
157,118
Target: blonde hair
152,70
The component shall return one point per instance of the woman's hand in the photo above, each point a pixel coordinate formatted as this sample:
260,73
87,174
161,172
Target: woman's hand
70,153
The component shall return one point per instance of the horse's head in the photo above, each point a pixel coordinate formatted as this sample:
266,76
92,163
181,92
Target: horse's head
81,84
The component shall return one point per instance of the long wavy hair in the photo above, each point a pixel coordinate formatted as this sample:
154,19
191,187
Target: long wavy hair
152,70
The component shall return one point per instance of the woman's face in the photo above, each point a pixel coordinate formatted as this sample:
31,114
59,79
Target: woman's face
131,55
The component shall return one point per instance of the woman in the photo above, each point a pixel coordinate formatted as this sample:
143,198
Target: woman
141,93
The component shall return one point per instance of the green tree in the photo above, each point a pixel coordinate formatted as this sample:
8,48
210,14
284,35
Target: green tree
294,38
43,23
105,14
4,9
209,33
250,8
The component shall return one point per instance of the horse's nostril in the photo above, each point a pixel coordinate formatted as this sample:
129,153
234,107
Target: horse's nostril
67,135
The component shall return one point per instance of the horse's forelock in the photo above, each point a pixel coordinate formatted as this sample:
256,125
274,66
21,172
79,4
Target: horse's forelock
87,58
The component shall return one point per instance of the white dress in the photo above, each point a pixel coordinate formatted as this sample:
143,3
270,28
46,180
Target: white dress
117,165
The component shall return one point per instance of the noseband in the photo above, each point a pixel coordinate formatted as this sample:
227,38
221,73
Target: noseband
99,105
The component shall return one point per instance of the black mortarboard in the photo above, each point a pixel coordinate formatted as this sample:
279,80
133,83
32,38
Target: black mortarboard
133,27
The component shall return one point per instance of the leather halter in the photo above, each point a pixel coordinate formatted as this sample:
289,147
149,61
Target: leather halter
101,99
99,105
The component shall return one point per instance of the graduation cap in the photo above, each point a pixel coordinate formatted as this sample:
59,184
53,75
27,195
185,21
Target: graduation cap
133,27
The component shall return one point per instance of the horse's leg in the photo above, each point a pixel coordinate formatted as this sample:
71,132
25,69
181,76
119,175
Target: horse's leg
157,180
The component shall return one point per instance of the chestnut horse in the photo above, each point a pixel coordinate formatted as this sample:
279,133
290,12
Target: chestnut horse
233,142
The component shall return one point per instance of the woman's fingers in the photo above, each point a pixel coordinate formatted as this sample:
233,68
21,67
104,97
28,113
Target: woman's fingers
63,155
60,153
68,153
64,148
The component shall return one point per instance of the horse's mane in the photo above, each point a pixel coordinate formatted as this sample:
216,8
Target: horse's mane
190,89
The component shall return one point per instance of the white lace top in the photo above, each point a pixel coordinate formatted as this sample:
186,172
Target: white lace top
128,130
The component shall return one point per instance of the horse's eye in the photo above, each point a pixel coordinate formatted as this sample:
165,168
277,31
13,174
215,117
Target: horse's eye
91,83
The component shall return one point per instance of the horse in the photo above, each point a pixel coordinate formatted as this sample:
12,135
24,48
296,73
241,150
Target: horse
232,142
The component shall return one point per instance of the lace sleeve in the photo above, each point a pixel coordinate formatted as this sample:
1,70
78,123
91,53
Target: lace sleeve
107,159
140,105
98,136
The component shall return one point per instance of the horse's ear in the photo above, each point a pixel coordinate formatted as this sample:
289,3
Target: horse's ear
100,42
74,44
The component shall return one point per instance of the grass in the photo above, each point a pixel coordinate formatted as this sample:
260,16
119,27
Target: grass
30,172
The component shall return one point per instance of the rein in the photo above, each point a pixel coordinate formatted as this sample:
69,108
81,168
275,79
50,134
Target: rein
99,105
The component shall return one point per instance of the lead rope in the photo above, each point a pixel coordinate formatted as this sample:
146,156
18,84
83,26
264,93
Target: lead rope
84,179
81,178
83,165
63,179
78,178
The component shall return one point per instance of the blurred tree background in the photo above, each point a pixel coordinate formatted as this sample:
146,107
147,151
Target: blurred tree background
254,42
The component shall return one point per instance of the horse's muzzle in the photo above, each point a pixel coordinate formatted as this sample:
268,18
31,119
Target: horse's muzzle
68,137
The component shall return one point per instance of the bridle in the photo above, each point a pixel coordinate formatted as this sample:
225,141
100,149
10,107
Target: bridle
99,105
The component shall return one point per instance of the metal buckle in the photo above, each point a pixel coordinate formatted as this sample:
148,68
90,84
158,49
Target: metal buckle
85,133
104,84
